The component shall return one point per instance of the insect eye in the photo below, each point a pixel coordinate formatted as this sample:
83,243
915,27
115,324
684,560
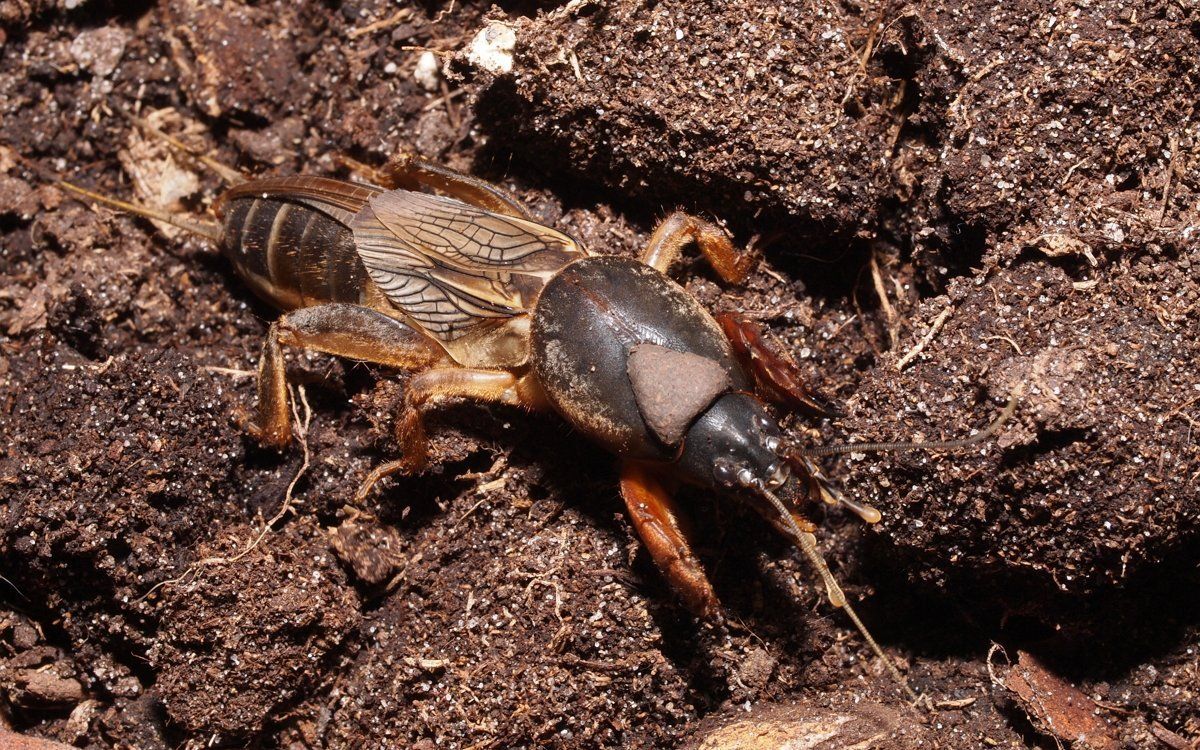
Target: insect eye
725,472
766,426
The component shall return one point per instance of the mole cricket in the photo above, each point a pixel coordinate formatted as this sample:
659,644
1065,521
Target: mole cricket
449,278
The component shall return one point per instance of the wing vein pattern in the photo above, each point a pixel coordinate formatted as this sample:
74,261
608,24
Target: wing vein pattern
454,267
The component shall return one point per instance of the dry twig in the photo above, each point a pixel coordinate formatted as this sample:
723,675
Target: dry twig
1166,197
394,20
881,291
938,322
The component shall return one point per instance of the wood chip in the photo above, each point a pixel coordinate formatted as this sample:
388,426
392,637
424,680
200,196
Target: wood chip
43,687
1169,738
10,741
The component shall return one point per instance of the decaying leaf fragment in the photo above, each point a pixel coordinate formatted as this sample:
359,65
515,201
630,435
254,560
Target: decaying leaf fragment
159,179
1054,706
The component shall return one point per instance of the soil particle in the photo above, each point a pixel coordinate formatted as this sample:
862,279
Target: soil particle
222,675
1093,483
37,676
231,60
755,671
1037,120
20,12
1027,171
104,485
273,145
369,550
16,197
428,72
657,101
536,590
99,50
993,126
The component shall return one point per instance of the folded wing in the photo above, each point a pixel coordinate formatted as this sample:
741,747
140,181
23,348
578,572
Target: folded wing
338,199
453,267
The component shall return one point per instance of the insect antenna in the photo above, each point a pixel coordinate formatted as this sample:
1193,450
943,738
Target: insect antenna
808,545
208,229
932,445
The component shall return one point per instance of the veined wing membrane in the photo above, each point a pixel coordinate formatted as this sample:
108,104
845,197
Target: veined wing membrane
451,266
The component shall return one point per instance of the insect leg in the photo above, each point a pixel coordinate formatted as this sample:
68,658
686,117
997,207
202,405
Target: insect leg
776,376
677,230
656,519
409,172
340,329
429,387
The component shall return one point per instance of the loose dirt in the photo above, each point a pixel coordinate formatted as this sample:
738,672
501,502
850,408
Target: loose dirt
950,200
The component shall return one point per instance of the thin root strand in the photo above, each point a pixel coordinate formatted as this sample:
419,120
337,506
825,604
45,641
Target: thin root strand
288,506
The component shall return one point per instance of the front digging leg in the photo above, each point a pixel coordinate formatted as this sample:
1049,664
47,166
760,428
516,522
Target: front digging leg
776,377
656,519
677,230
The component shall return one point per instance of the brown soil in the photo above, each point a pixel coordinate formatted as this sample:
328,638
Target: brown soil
952,200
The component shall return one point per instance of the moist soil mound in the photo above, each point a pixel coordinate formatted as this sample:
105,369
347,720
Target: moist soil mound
951,202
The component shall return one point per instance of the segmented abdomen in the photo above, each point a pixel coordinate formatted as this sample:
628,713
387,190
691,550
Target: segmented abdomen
291,254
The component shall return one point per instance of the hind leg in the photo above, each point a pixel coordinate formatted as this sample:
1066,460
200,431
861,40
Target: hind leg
339,329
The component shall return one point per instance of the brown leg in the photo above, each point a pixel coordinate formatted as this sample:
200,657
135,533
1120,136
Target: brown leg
656,520
431,386
678,229
339,329
776,376
364,171
409,172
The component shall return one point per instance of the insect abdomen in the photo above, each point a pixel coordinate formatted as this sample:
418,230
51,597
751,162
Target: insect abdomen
291,254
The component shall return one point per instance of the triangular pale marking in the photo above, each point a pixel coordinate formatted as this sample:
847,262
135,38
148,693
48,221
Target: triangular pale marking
672,388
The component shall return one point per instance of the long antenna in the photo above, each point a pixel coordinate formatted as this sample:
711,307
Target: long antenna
934,445
208,229
808,545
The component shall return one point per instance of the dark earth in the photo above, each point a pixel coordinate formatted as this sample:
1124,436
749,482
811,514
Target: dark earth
951,201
